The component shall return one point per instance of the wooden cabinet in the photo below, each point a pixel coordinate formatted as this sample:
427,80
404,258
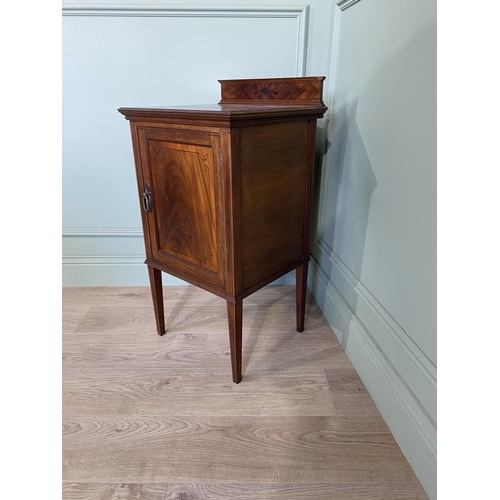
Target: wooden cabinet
225,191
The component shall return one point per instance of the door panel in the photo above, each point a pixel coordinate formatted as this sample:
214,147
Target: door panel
184,175
185,211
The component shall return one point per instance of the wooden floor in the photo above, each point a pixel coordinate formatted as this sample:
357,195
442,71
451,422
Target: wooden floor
156,418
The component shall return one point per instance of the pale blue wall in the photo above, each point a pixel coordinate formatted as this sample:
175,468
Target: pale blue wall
373,267
156,57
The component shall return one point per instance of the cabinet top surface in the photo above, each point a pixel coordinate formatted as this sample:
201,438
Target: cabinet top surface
244,101
224,113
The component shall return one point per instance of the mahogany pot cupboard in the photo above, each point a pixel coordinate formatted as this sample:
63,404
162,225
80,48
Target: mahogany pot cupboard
225,191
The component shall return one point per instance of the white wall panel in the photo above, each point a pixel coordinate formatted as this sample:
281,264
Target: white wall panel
146,61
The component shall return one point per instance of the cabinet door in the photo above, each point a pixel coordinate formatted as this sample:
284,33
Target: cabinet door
185,228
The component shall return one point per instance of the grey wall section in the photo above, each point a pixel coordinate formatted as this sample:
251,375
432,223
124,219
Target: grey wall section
374,247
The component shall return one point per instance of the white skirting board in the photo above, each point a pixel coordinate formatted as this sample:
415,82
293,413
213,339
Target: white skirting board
113,257
121,271
407,419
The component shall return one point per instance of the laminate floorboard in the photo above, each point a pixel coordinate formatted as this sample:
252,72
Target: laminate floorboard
193,392
72,316
107,491
232,449
278,352
149,417
349,394
133,351
195,318
296,491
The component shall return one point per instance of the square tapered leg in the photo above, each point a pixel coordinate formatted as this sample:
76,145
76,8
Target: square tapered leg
235,322
157,293
300,293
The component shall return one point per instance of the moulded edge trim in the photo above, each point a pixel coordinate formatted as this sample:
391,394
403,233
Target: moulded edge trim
344,4
136,9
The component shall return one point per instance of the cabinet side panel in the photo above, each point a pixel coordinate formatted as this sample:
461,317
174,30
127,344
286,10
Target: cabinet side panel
273,178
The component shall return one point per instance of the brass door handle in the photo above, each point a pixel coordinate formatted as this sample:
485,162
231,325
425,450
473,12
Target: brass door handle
146,199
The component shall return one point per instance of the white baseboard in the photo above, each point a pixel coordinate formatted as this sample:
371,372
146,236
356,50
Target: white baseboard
113,257
121,270
109,270
104,257
410,423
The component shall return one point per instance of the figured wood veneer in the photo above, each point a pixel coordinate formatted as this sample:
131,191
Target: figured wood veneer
185,174
296,91
226,191
273,196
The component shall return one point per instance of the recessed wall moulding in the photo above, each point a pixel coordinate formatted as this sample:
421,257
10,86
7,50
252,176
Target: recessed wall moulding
344,4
